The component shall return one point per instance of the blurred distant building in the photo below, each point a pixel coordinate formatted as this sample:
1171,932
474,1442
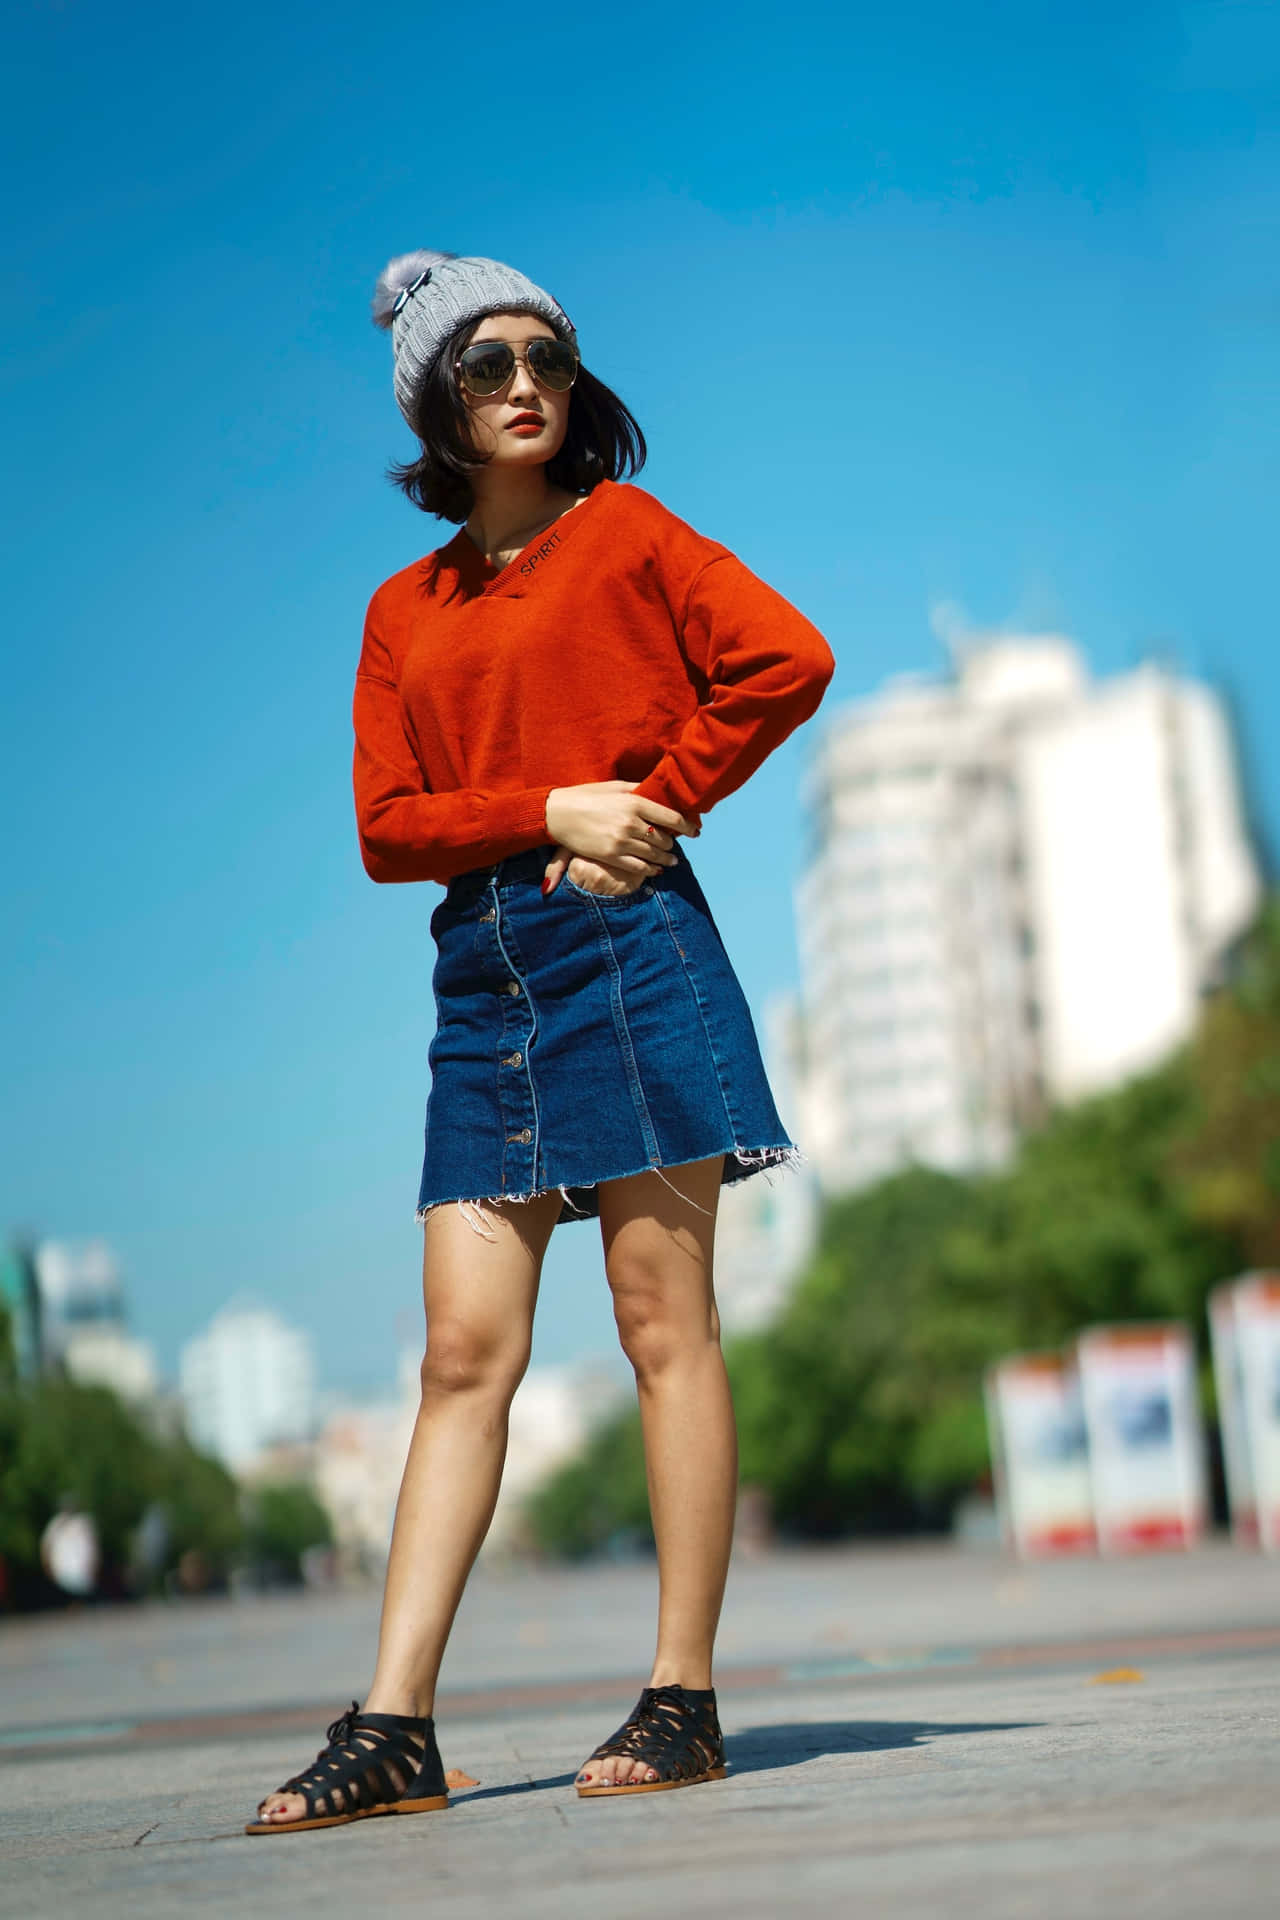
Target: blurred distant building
765,1226
552,1417
360,1452
359,1458
247,1385
85,1322
1021,884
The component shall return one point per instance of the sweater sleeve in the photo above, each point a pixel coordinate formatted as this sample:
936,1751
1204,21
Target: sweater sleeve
408,833
765,667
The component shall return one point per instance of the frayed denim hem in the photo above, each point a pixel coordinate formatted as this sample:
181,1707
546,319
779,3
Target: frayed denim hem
750,1159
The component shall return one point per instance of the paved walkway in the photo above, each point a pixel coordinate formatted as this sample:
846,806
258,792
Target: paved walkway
911,1732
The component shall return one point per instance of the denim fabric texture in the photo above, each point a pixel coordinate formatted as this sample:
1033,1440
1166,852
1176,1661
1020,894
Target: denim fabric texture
582,1037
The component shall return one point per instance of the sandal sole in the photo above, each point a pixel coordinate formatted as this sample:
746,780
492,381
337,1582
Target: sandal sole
434,1805
650,1786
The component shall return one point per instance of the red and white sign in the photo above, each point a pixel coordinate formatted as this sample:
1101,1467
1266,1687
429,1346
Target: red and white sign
1251,1344
1146,1450
1039,1454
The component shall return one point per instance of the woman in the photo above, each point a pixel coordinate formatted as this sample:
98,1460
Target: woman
543,709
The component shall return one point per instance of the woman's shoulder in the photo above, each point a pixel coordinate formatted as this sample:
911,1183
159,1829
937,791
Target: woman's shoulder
422,580
671,539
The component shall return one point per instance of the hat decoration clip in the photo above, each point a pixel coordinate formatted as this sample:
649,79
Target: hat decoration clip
404,292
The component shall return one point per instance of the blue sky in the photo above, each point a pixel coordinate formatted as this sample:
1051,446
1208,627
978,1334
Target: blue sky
914,304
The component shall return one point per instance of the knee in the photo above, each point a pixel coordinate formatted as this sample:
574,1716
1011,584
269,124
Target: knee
462,1359
656,1325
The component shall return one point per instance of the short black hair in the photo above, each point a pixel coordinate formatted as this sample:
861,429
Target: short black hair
603,441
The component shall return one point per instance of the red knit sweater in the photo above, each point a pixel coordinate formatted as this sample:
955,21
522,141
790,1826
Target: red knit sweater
619,645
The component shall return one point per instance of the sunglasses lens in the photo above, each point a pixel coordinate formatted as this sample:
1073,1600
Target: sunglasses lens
553,364
486,368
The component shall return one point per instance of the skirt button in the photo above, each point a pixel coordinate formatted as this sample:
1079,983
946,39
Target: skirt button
512,986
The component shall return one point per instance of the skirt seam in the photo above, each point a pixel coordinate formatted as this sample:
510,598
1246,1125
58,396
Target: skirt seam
702,1018
623,1033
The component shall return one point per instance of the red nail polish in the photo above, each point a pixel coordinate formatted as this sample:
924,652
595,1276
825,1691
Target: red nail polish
546,883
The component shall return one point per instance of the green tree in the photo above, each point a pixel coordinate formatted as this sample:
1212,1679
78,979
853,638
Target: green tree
867,1351
1093,1223
281,1522
597,1497
201,1505
8,1358
1229,1156
60,1441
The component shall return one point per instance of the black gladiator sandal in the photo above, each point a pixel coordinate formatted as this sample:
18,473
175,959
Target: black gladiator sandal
374,1763
676,1731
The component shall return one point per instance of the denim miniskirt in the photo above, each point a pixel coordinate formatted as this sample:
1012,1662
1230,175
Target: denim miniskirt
583,1037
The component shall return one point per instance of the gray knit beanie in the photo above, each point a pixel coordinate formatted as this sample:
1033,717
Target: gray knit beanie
422,297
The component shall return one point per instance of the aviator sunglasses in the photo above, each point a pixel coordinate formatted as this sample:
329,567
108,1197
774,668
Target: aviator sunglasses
487,367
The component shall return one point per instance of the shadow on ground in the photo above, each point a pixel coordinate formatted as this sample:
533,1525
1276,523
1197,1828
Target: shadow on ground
763,1749
769,1748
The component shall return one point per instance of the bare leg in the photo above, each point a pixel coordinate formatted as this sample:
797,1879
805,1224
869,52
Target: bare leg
658,1250
480,1296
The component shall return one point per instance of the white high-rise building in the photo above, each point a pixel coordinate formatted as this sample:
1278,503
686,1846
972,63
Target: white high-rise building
247,1384
1021,884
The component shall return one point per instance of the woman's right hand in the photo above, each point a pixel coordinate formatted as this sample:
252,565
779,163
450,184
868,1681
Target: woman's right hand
607,820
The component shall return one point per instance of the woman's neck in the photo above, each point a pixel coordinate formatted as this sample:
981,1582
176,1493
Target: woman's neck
511,507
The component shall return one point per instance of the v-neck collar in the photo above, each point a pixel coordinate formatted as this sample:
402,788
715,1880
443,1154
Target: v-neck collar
465,557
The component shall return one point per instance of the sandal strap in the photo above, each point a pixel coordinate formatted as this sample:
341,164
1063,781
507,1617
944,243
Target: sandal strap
675,1730
370,1759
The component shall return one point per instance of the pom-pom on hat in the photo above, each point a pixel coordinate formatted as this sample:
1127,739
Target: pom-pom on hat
422,297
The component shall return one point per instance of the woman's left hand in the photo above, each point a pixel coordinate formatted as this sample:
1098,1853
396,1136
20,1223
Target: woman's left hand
593,876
